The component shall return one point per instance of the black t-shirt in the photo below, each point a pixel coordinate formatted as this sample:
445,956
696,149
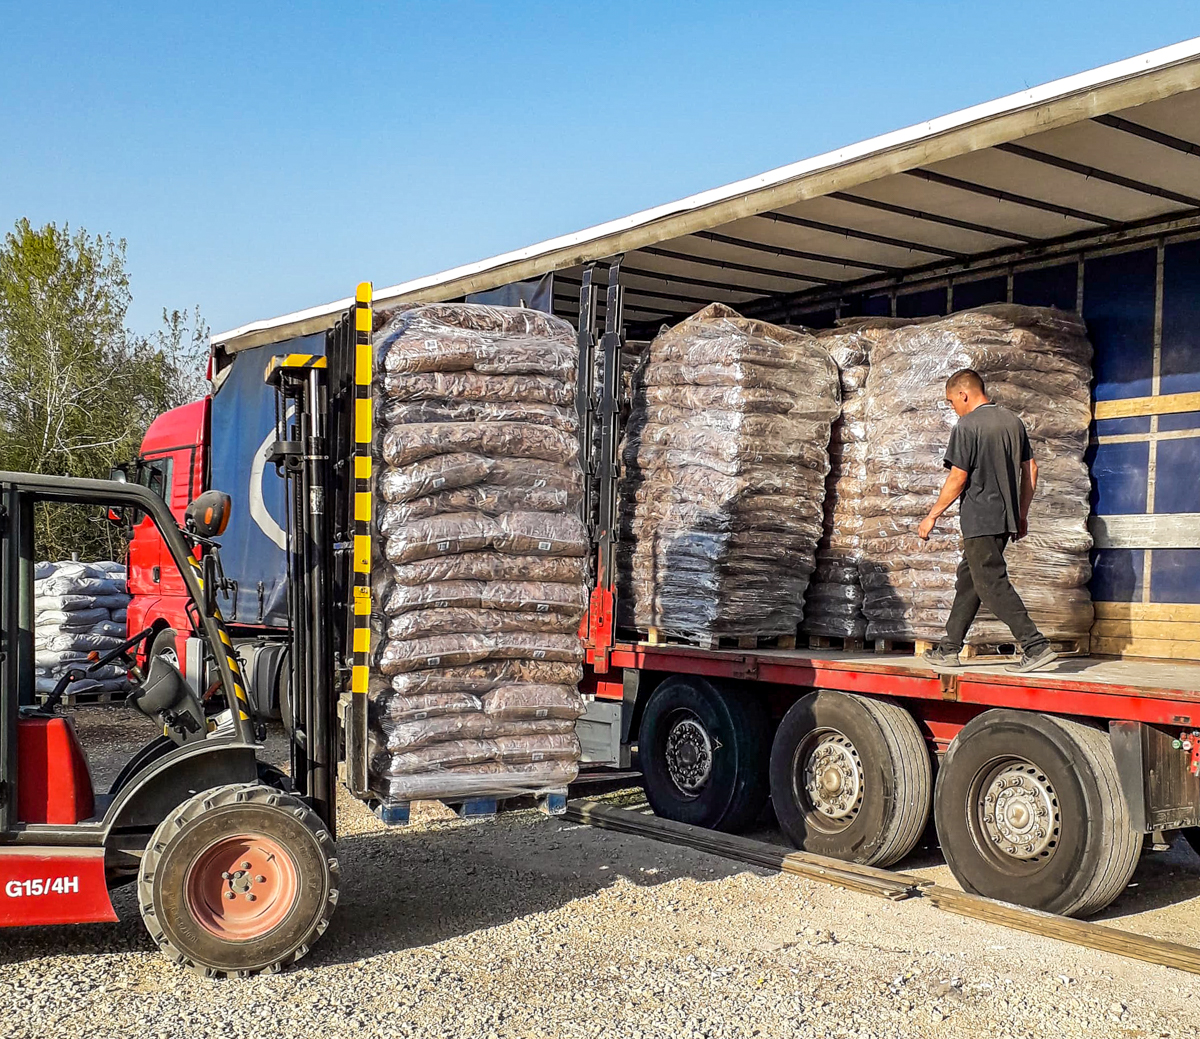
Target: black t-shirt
989,444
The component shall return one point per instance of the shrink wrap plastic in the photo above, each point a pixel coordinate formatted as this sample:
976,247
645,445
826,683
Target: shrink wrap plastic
1035,361
79,608
480,578
833,605
724,462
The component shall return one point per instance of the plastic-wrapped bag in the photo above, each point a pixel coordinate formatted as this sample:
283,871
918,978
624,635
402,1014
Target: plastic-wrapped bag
396,656
523,700
481,678
492,566
489,779
522,596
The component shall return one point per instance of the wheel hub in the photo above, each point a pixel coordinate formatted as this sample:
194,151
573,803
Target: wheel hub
689,754
832,776
242,886
1018,811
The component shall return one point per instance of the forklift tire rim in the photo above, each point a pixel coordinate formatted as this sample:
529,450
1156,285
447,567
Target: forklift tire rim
242,887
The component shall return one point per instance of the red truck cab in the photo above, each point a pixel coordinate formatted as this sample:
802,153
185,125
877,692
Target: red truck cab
173,462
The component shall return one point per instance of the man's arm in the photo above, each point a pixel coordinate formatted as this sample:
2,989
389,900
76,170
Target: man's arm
1029,473
956,480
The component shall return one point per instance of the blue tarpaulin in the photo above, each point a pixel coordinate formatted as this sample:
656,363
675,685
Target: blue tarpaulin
243,426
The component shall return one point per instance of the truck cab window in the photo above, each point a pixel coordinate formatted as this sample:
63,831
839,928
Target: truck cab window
155,474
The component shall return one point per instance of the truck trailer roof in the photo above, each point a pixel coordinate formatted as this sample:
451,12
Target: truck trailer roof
1101,153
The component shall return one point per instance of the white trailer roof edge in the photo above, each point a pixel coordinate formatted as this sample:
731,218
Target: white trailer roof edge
1124,84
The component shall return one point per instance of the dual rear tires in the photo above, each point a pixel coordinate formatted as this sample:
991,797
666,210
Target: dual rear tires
1028,807
1029,810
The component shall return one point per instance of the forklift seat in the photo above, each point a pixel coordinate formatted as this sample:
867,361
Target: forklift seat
54,784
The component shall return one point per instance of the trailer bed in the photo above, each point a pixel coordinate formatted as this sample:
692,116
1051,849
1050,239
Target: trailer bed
1164,692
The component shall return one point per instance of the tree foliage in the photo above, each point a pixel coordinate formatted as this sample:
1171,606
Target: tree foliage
77,388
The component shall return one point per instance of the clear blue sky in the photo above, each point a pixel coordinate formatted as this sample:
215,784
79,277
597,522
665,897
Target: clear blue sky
260,158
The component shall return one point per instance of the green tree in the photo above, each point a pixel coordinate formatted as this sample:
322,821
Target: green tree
77,389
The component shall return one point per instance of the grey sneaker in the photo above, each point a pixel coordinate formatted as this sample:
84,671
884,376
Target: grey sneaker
1032,662
941,659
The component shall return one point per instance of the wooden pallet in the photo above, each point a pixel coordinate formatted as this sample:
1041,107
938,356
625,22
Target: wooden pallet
85,699
1006,650
848,645
398,813
658,637
983,652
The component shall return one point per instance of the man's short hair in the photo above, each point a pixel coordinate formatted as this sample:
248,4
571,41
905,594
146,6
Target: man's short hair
965,379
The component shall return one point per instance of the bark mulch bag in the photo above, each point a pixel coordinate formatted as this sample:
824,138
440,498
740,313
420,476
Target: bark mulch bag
79,609
724,463
481,563
1035,361
833,605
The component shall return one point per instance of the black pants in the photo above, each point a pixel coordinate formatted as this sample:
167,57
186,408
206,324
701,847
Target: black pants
983,578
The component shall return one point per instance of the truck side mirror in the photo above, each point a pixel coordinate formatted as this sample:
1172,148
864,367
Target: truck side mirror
208,514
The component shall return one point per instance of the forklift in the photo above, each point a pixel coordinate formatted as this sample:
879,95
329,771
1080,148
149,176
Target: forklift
235,872
234,861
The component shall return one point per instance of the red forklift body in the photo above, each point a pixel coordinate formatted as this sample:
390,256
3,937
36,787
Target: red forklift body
56,784
53,886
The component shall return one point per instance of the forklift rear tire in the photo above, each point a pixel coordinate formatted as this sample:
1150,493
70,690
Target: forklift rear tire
703,750
1029,810
238,880
851,778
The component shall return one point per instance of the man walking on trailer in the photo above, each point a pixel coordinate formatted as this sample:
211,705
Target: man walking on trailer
993,476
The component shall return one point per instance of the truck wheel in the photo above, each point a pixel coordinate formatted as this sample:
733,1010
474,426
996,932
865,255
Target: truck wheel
703,753
237,880
164,645
1029,810
851,778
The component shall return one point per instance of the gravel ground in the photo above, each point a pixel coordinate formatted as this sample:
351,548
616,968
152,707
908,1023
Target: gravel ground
532,927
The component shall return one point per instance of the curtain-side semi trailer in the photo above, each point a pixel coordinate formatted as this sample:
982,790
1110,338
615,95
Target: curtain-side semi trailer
1083,194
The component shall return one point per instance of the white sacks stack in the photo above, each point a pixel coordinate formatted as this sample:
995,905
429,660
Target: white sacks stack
833,604
1036,361
79,608
724,464
482,560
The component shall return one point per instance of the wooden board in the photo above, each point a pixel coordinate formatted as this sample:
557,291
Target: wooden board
1163,649
1148,611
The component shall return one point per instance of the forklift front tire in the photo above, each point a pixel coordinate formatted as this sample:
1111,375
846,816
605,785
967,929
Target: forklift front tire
238,880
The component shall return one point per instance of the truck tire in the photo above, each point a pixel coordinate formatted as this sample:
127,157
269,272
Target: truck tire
164,644
703,751
1064,843
209,911
851,778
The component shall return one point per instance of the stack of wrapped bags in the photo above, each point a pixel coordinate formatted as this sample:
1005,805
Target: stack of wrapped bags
724,463
834,603
480,581
1035,361
79,608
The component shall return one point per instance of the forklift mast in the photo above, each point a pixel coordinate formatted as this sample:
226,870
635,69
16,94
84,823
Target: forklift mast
323,418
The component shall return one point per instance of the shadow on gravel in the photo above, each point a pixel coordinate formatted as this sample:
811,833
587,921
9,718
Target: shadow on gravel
403,890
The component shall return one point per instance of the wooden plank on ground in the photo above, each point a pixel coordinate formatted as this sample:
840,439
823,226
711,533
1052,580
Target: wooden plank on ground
1077,932
865,879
